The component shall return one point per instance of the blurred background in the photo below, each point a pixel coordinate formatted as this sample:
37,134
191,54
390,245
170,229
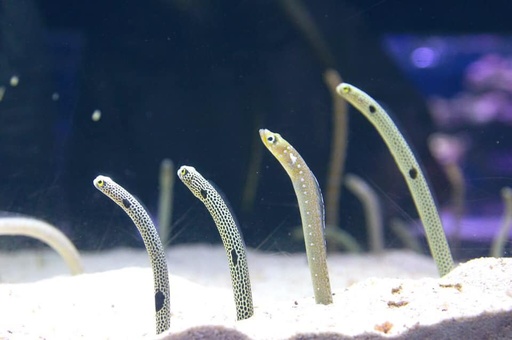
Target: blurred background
113,88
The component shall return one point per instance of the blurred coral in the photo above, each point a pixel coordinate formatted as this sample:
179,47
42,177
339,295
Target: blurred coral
487,96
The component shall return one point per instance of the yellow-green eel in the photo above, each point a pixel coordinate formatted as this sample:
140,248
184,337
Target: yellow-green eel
311,208
410,169
152,243
230,235
45,232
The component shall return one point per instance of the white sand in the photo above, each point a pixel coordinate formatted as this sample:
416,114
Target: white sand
385,295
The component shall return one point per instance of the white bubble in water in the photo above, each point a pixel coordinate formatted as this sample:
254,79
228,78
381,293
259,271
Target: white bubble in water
96,115
55,96
14,81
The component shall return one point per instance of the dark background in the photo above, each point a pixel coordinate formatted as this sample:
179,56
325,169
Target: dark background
194,81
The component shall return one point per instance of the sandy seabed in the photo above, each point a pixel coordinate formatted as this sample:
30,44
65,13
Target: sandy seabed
393,295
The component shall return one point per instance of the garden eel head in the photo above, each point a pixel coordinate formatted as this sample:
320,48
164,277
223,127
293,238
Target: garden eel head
279,147
105,185
193,180
343,88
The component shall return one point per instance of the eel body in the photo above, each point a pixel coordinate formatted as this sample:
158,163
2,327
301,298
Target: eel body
45,232
230,235
165,201
311,208
409,168
152,243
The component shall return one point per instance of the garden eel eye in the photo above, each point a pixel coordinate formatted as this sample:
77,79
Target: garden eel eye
101,183
184,172
271,139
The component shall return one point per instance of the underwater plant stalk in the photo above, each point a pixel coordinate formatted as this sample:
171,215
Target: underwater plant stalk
230,234
165,201
152,242
311,208
45,232
411,171
372,210
499,241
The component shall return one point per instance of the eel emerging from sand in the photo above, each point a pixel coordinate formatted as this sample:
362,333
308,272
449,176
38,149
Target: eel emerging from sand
311,208
152,243
410,169
45,232
230,235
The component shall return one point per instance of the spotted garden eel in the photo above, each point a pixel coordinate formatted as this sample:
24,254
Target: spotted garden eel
311,208
45,232
410,169
152,243
230,235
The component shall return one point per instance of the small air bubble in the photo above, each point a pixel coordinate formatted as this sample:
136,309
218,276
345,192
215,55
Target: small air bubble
55,96
14,81
96,115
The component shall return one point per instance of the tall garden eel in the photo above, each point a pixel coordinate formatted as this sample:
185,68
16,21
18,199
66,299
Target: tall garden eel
410,169
230,235
311,206
152,243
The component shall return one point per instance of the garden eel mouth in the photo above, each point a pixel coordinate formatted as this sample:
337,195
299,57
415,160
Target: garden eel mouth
409,168
152,243
311,208
230,235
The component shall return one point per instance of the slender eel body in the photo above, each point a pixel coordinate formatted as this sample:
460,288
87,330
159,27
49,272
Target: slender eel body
409,168
230,235
45,232
498,244
152,243
165,200
311,208
372,211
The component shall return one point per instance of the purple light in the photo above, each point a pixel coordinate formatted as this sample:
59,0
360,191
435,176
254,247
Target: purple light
472,228
424,57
